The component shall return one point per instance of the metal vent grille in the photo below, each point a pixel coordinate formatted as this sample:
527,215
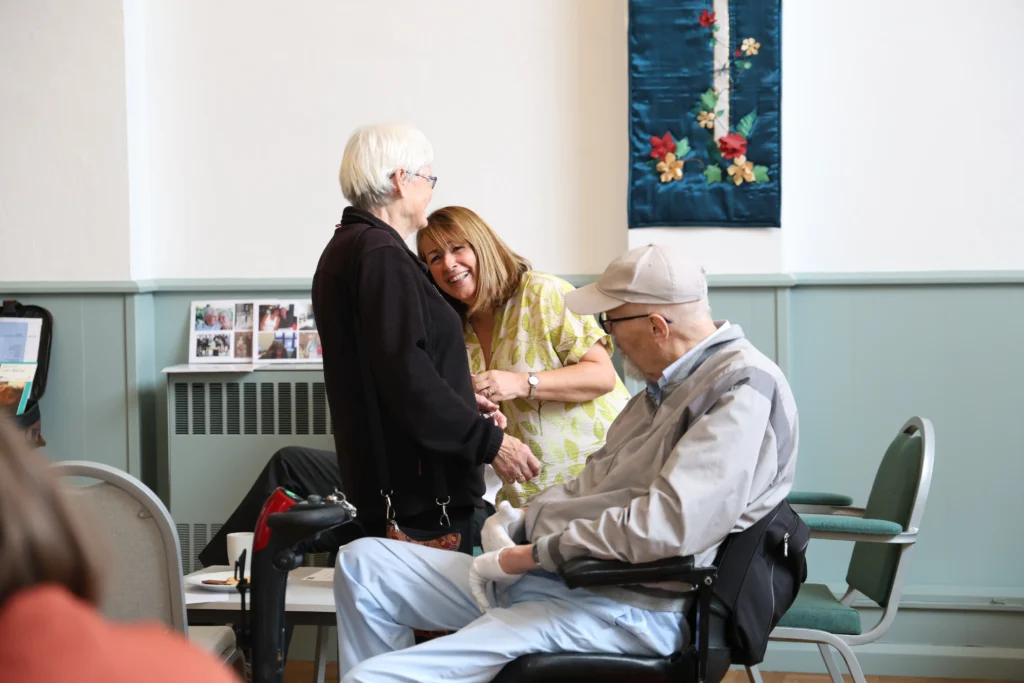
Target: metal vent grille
250,407
180,408
234,409
302,408
185,539
216,408
198,408
284,408
266,408
319,408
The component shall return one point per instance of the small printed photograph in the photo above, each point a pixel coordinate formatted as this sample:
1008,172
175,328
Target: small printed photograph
309,346
10,394
275,317
213,345
210,317
304,315
280,345
243,342
243,317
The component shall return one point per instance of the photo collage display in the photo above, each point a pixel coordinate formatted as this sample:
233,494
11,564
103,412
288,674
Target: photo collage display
282,331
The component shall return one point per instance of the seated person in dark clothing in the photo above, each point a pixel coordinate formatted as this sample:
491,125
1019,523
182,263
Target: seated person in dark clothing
380,315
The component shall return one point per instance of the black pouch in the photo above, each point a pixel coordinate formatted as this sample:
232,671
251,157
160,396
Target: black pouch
30,421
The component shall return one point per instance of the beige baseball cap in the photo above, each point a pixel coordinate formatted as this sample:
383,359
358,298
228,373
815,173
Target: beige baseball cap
654,274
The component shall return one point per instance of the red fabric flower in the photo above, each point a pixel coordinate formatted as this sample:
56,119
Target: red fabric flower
707,20
732,145
737,53
662,146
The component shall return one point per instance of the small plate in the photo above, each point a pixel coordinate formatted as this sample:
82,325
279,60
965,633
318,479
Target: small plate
197,581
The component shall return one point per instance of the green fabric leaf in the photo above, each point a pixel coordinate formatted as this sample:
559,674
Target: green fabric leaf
713,152
714,26
599,430
713,174
531,355
712,41
574,470
747,64
517,353
760,174
746,124
682,148
572,451
589,409
529,428
709,99
719,112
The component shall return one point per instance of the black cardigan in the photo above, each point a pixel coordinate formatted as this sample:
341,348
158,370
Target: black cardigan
412,339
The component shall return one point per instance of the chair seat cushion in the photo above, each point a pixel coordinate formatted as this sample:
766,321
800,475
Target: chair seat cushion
852,525
591,668
818,498
219,641
817,608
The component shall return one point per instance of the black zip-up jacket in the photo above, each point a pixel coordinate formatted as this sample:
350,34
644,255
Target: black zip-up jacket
412,342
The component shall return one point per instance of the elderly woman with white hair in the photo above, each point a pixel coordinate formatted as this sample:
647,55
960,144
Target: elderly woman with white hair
378,312
398,382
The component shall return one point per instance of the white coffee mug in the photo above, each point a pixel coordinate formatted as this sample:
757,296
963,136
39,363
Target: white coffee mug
237,542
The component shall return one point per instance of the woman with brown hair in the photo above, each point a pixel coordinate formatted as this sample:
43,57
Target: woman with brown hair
51,583
548,368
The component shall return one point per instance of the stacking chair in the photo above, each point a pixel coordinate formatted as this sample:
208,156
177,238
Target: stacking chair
884,533
146,581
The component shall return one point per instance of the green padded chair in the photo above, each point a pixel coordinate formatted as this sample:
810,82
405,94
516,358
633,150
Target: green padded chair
884,533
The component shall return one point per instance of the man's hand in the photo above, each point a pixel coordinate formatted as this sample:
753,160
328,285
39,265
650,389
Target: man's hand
501,385
501,567
515,461
503,527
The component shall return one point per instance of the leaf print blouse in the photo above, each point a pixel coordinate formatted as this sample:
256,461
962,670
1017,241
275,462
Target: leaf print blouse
534,331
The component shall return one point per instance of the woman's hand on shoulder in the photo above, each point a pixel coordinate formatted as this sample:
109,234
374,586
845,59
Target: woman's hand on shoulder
501,385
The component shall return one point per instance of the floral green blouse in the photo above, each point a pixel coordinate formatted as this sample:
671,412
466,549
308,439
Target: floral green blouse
534,331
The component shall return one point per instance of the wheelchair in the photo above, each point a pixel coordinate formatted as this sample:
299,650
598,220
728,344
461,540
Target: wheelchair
287,520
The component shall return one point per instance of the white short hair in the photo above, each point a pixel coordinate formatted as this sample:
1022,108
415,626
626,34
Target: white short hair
373,153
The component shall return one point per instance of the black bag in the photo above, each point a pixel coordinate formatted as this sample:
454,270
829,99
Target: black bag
31,419
760,571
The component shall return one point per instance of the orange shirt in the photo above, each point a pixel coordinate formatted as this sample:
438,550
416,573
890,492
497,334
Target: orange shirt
47,634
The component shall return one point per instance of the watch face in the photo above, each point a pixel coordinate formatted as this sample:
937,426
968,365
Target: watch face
534,381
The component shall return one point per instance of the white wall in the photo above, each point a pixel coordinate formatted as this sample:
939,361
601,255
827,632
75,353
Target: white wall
899,132
251,104
902,141
63,174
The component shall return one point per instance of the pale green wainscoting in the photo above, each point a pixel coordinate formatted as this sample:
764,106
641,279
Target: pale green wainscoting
863,353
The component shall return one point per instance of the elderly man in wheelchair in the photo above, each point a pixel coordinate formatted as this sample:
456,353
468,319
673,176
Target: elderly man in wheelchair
610,576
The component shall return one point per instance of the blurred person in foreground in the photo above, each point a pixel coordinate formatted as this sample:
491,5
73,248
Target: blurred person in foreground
51,584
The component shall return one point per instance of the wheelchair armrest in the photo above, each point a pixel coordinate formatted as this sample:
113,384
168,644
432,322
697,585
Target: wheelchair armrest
584,572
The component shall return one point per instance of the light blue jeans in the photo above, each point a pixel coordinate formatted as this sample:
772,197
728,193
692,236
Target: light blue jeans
384,589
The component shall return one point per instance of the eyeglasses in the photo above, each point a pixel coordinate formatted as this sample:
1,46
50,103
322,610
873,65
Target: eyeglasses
606,322
432,179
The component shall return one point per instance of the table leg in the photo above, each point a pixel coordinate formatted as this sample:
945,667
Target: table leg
321,655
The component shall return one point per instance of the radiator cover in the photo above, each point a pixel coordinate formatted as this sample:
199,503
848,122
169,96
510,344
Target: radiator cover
222,430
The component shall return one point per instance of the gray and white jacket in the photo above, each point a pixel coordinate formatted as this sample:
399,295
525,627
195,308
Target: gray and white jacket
708,452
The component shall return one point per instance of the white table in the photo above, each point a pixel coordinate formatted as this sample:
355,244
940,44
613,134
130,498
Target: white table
305,603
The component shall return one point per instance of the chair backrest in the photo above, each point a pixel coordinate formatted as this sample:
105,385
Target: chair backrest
898,494
145,580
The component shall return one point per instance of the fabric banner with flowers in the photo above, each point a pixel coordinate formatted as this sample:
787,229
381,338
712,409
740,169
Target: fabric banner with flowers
705,81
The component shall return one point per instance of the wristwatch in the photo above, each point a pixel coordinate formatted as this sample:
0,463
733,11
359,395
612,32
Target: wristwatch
535,553
533,381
